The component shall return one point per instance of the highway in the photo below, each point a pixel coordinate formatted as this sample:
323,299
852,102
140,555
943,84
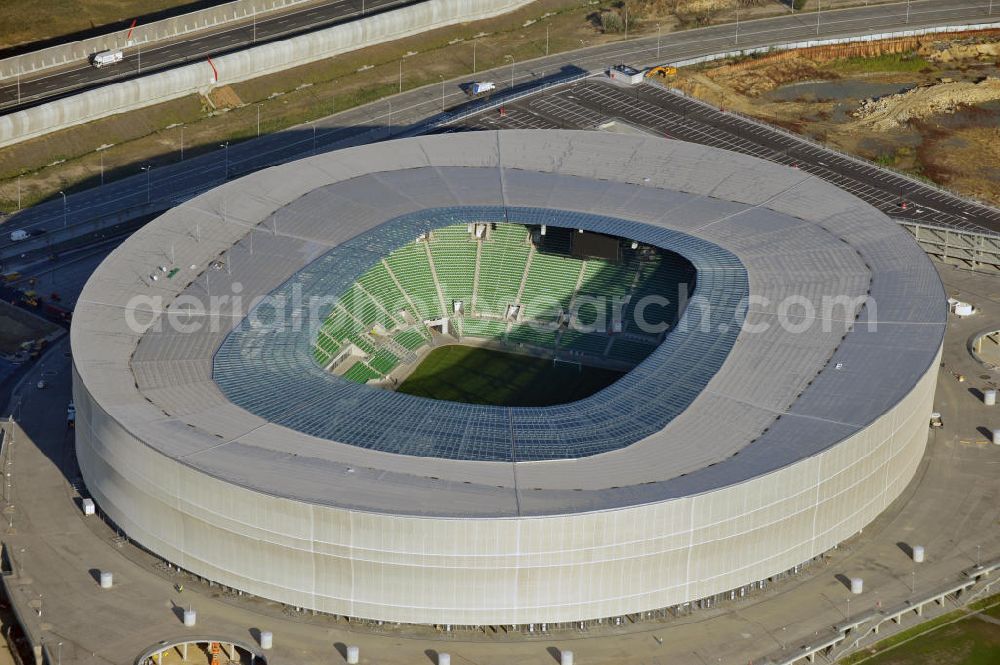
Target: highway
138,60
171,184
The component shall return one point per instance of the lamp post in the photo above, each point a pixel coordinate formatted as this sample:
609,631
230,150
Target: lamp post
819,10
657,41
18,191
401,75
390,117
511,58
65,219
258,120
442,91
546,39
182,143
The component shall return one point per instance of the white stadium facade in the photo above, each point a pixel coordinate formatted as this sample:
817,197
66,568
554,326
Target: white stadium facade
765,429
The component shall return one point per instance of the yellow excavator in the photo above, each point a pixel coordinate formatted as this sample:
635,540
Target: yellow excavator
662,72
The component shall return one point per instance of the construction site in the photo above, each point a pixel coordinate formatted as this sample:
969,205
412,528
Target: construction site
923,105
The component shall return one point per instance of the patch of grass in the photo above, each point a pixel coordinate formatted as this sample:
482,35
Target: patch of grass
22,22
955,638
483,376
886,63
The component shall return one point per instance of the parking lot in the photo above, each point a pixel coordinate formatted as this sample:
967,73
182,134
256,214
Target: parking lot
594,102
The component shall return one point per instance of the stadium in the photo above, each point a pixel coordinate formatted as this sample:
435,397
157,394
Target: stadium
506,378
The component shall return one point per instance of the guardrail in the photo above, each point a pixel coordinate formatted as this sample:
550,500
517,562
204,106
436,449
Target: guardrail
972,250
865,625
812,43
909,179
256,61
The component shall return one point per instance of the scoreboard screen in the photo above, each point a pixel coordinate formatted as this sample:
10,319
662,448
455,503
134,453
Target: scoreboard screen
589,245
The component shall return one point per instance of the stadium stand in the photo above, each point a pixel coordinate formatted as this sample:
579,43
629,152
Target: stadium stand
410,339
629,350
592,343
361,373
554,280
484,328
534,334
454,253
551,283
383,362
412,268
501,267
378,282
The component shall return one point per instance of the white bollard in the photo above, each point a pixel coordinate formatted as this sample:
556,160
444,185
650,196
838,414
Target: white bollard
444,659
996,436
918,553
990,397
857,585
190,618
353,655
566,657
266,639
107,579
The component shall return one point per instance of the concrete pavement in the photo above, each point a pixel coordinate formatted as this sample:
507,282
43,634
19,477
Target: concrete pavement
951,509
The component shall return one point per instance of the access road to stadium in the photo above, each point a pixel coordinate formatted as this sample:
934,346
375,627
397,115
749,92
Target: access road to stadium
951,508
168,185
217,40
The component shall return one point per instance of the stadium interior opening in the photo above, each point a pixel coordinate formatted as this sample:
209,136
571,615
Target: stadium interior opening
505,314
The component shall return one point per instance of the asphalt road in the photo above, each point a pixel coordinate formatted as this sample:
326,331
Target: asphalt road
138,60
169,184
950,508
590,104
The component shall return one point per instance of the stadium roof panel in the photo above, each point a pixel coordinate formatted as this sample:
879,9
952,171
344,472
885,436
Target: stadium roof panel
794,234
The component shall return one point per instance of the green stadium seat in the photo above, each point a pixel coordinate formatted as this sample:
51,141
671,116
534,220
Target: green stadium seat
411,267
454,252
501,268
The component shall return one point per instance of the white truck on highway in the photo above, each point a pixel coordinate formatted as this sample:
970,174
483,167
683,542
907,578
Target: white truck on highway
481,87
103,58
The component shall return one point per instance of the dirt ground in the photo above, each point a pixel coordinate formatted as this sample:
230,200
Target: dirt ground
17,326
928,106
22,21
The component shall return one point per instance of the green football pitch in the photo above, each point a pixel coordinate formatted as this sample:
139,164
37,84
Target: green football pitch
484,376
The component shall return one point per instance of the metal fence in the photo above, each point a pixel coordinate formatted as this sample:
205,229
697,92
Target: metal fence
972,250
